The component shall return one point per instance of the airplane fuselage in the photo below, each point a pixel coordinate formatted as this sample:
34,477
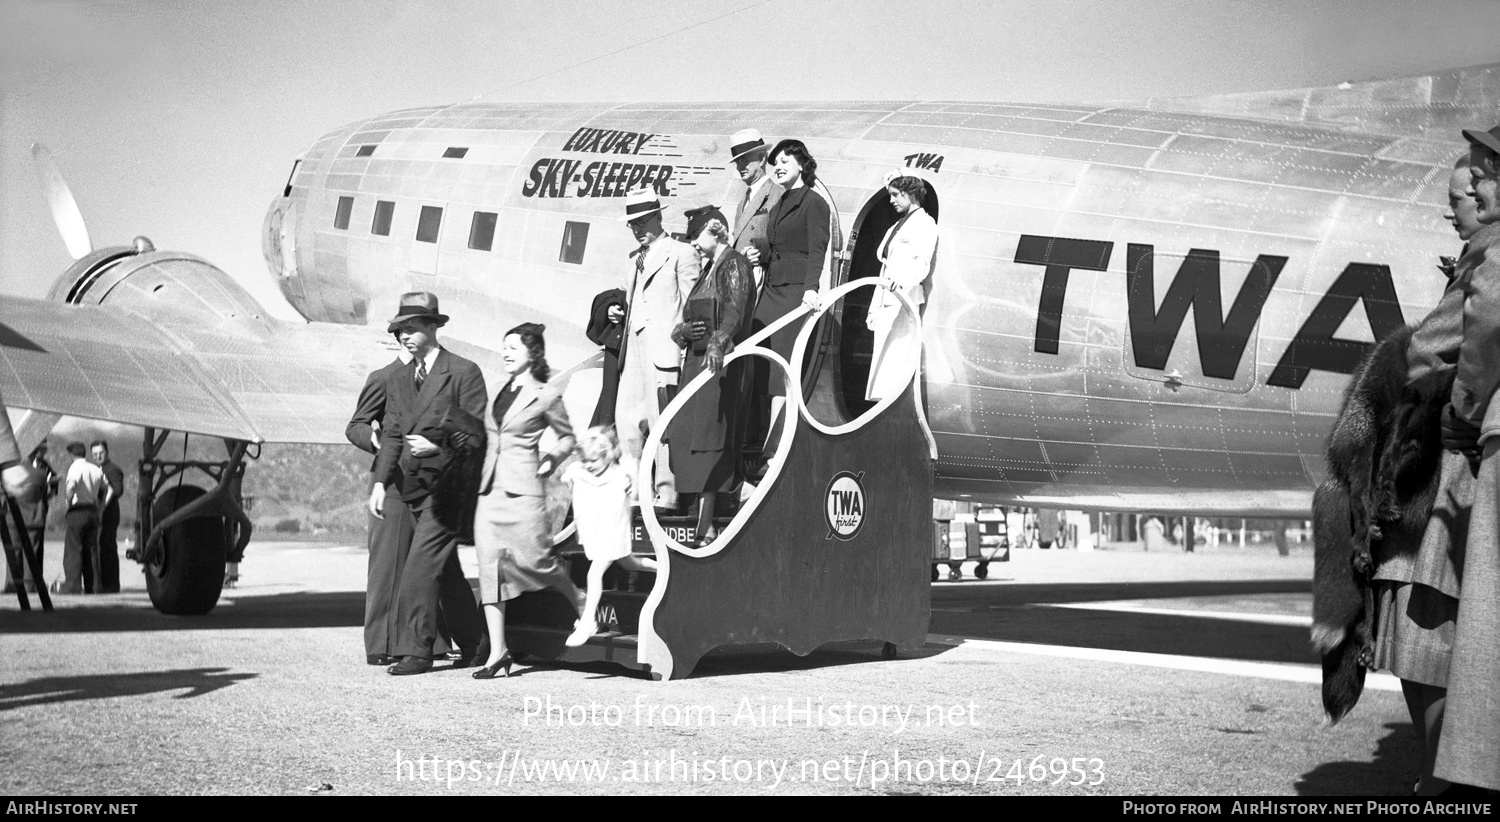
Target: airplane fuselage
1132,310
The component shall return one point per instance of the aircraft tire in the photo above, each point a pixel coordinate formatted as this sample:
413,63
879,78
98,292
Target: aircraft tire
191,574
982,570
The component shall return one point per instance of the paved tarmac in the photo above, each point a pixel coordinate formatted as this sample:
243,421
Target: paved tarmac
1126,672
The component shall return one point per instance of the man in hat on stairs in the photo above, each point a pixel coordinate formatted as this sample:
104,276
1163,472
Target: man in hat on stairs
753,197
664,273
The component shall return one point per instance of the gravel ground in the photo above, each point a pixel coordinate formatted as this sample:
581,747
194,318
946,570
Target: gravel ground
269,695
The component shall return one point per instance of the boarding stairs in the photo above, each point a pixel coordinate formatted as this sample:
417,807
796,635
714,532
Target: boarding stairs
834,543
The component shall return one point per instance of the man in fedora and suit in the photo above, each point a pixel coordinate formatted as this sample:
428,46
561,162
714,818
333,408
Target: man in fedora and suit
754,197
748,152
390,537
433,424
664,273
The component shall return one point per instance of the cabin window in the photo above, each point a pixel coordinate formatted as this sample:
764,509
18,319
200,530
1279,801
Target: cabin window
381,225
365,151
341,216
455,153
428,224
482,230
575,238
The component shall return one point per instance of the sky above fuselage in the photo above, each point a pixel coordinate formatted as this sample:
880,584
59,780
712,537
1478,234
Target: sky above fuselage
180,120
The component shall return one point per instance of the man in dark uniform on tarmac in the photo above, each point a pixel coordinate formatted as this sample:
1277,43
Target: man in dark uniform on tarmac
433,423
390,537
109,522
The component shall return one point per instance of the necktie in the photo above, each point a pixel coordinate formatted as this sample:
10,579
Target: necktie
421,373
744,204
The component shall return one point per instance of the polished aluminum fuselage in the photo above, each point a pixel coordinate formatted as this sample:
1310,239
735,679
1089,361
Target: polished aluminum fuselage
1133,309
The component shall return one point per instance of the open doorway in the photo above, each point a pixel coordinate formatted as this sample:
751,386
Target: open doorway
857,344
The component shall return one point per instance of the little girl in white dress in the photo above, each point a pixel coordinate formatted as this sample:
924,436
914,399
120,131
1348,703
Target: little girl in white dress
601,511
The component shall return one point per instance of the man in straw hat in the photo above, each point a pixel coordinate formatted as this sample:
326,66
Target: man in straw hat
662,277
753,197
748,152
433,422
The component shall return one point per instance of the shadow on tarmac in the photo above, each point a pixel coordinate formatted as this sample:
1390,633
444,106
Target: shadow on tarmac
1060,592
1391,767
1011,613
55,689
339,609
1019,613
763,658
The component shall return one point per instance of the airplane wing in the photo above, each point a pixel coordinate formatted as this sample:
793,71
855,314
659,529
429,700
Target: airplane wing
270,382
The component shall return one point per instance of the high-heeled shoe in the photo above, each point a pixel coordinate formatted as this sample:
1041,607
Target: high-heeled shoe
501,667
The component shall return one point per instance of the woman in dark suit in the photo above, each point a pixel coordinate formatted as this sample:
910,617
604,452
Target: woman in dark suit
512,536
704,437
798,234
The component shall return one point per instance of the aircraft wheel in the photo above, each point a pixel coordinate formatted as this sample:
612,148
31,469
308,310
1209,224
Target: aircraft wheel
934,573
888,650
955,570
188,574
982,570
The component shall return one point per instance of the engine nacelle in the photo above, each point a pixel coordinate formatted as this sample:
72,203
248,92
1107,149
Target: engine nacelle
140,279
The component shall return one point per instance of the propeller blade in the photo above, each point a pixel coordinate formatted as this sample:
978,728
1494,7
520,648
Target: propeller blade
60,200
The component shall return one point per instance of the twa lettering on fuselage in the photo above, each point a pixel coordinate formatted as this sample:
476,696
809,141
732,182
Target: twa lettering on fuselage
1221,339
923,160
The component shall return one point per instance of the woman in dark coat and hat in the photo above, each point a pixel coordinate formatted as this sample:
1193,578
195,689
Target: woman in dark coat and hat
717,314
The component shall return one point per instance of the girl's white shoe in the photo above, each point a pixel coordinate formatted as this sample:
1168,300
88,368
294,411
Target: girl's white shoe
582,632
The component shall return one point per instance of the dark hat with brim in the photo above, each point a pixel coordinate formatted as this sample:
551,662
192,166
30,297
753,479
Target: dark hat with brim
1489,139
417,305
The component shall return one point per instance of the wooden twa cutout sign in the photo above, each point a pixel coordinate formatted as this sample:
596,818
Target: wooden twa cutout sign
833,545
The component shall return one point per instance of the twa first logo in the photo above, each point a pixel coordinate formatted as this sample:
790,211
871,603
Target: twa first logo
844,505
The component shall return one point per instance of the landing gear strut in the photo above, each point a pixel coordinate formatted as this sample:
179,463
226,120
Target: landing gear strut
185,534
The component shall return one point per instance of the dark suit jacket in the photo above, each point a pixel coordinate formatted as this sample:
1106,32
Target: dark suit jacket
371,409
799,234
452,400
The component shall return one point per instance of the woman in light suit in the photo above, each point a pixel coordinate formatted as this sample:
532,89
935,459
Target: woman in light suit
908,253
512,536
